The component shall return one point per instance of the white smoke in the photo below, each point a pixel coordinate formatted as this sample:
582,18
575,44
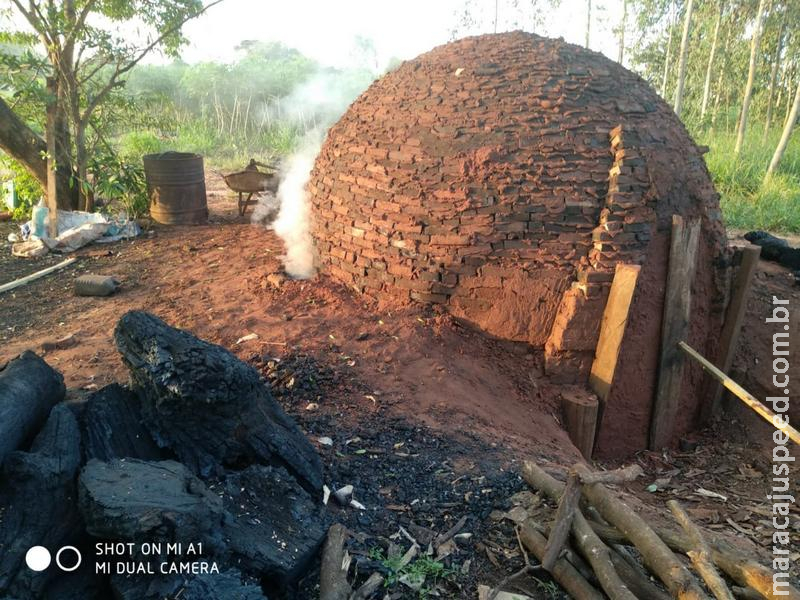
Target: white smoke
292,224
317,104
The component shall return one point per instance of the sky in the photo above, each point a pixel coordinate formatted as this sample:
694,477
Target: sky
325,29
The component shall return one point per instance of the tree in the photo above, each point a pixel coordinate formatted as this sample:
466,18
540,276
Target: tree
622,26
668,53
588,20
687,27
87,61
773,76
751,75
787,133
709,69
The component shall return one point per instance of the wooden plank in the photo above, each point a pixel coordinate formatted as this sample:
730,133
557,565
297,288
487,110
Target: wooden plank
742,393
33,276
674,328
612,329
729,339
580,408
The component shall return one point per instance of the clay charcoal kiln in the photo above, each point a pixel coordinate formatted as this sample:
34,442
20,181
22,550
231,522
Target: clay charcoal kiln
504,177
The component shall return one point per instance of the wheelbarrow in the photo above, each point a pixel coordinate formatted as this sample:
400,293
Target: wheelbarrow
251,181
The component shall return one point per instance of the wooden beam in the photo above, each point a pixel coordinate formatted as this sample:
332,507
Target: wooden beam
729,338
28,278
674,328
612,329
740,392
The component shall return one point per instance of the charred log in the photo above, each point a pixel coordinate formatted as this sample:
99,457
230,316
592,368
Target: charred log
133,500
206,405
775,249
114,428
275,527
39,502
29,388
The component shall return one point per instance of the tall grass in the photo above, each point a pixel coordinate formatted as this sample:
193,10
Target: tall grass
748,202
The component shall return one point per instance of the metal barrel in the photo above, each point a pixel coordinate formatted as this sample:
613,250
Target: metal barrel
176,186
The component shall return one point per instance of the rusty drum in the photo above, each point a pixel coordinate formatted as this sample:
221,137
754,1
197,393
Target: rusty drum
176,187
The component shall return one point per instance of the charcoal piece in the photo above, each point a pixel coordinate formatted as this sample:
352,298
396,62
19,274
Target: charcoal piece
226,585
29,388
114,428
134,500
274,527
38,503
775,249
206,405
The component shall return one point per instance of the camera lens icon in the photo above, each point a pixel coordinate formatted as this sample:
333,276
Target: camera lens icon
68,558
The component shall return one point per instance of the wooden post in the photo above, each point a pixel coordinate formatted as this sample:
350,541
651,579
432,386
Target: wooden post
674,328
734,316
580,409
612,329
51,193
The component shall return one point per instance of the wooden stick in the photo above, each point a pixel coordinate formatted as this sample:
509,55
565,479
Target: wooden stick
657,556
563,572
729,337
368,588
615,477
563,521
741,393
33,276
636,579
674,327
592,547
700,554
741,569
333,568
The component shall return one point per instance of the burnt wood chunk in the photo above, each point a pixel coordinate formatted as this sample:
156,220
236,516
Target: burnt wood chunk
276,526
134,500
775,249
29,388
38,503
226,585
206,405
114,427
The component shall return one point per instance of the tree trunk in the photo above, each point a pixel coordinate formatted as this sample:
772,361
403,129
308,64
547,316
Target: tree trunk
773,78
787,133
22,143
588,21
52,126
82,167
687,28
751,75
621,53
669,52
710,68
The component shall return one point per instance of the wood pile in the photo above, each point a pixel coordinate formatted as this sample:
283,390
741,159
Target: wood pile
597,546
196,452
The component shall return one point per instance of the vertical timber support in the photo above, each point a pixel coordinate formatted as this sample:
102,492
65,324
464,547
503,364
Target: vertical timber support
734,316
674,328
580,411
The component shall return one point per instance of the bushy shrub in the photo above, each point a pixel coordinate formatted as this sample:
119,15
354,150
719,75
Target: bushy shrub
27,187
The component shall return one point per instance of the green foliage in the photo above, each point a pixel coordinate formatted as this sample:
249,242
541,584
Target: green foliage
28,190
117,180
424,571
132,146
747,202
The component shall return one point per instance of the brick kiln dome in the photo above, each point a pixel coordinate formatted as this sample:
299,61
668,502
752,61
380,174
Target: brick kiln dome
504,176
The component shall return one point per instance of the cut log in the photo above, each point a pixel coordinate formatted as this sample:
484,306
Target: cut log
635,578
562,522
136,501
38,503
580,409
674,327
657,556
206,405
333,583
29,388
113,424
743,570
273,527
563,572
700,554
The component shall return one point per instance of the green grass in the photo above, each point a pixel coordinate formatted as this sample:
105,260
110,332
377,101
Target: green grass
747,202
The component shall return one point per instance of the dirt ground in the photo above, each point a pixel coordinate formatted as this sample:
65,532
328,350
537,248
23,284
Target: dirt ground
428,420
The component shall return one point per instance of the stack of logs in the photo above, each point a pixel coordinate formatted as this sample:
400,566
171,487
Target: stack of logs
195,453
602,528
